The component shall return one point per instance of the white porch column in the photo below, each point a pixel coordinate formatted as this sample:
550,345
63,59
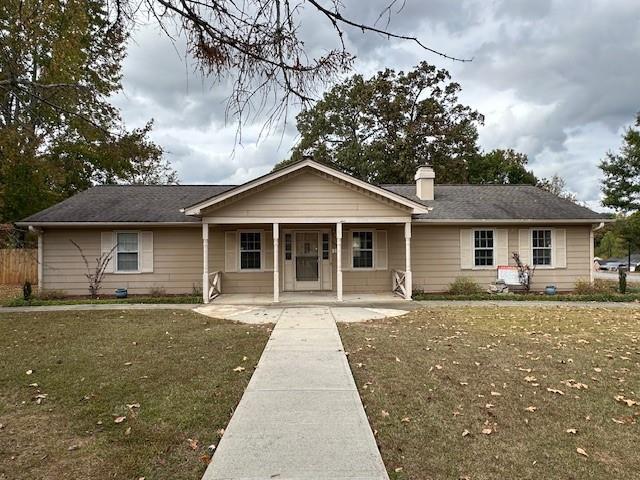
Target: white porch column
408,280
276,266
205,262
40,261
339,261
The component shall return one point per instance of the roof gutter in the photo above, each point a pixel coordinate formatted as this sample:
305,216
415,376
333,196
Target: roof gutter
108,224
503,221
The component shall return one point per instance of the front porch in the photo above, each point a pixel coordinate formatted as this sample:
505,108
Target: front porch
306,262
308,298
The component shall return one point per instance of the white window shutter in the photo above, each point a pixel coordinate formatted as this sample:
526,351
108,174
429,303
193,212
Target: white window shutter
230,251
347,250
524,245
559,245
146,252
267,249
380,246
502,246
466,249
107,242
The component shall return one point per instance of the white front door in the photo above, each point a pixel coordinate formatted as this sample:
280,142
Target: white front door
306,261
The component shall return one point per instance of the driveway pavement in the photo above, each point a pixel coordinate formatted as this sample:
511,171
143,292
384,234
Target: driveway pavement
301,416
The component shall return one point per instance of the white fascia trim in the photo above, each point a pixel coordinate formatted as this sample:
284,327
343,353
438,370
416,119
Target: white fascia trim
502,221
109,224
282,220
417,207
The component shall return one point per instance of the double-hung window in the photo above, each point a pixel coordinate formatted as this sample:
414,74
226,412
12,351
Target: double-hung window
541,246
127,252
250,251
483,248
362,249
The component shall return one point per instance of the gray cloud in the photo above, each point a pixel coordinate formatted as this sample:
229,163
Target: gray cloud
556,79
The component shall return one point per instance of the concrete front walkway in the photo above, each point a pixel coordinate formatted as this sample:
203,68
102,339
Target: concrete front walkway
301,416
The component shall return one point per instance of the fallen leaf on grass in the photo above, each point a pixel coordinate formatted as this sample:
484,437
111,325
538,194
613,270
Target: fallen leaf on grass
127,431
581,452
384,413
573,431
553,390
193,443
239,369
73,447
128,364
465,433
119,419
487,431
628,401
406,420
29,372
531,408
131,406
398,470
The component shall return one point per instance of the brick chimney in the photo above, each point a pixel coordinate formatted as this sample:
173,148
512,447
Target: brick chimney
424,182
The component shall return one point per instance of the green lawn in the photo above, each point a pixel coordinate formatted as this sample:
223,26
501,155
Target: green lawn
66,378
540,383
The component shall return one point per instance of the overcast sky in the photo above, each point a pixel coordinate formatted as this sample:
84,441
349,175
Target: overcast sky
557,80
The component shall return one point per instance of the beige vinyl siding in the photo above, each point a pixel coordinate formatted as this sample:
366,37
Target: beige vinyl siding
376,281
306,195
177,261
435,258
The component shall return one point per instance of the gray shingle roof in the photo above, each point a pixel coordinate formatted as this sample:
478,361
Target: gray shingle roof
496,202
129,203
159,204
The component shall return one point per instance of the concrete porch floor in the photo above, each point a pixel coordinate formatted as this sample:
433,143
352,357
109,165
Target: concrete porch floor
309,298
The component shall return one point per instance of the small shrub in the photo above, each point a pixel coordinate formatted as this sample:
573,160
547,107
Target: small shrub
27,291
158,292
196,290
464,286
622,281
52,295
585,287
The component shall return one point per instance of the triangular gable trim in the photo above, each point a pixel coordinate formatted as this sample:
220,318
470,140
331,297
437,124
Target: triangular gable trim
198,207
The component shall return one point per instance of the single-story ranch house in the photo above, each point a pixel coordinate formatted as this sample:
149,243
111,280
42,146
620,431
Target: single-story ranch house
309,227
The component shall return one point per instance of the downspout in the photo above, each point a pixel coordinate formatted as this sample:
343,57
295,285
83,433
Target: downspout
594,228
40,260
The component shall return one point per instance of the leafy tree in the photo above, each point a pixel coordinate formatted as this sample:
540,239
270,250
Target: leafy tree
59,134
383,128
621,184
611,246
501,166
628,229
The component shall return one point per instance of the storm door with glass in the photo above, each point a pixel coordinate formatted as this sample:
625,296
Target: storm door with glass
307,265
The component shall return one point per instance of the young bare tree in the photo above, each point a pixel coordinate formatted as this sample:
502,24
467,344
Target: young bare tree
95,274
525,272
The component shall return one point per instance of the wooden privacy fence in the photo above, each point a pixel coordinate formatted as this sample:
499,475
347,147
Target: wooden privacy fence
18,265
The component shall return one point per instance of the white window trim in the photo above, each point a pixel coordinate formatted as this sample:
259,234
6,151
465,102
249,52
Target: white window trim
542,267
249,270
115,260
373,250
493,266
